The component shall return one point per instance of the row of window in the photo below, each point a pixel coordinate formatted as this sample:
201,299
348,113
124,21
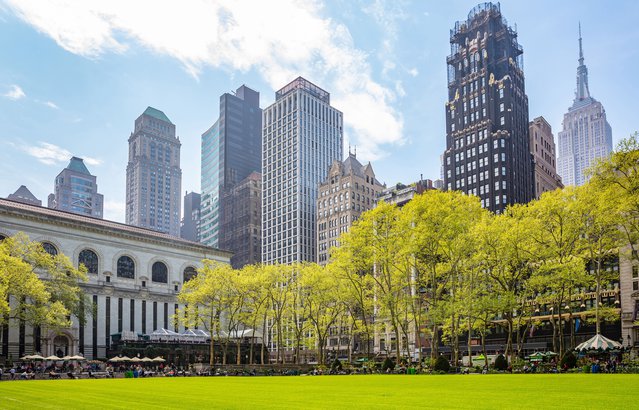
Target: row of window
125,267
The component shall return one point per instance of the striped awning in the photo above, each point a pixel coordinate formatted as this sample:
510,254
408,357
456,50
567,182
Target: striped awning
598,343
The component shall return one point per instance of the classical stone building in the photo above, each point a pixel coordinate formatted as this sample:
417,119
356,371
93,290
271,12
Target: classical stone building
400,194
542,146
135,275
629,284
349,190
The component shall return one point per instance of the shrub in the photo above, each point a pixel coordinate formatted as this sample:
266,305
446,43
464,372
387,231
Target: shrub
501,363
569,360
336,365
441,364
388,364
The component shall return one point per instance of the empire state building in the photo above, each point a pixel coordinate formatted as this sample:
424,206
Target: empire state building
586,134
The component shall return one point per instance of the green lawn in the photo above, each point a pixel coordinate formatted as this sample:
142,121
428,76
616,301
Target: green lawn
304,392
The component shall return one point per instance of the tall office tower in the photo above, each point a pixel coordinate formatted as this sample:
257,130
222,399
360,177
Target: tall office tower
349,189
240,221
302,136
231,151
487,147
76,191
25,196
586,134
153,175
190,227
542,146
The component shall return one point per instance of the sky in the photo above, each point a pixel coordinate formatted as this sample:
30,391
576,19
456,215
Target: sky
74,75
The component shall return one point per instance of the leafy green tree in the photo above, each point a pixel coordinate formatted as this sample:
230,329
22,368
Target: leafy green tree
441,245
602,237
373,246
556,222
620,174
203,296
36,287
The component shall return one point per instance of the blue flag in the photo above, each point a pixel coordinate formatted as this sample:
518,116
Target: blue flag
577,323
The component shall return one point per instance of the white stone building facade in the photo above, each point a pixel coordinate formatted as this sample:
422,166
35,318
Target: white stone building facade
133,287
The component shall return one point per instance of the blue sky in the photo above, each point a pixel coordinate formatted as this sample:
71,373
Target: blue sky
75,75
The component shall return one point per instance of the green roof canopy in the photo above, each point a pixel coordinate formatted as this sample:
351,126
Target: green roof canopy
157,114
77,164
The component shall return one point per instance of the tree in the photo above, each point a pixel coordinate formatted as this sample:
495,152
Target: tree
372,246
602,236
36,287
256,304
203,297
556,223
322,294
505,255
620,174
438,228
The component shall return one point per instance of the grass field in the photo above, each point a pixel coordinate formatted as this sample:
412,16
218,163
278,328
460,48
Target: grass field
566,391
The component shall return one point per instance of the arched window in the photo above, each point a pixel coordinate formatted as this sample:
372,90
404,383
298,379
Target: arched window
50,248
126,267
189,273
89,259
159,272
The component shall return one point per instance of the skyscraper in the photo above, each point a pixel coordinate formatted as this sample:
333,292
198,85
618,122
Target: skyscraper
349,189
542,146
76,191
302,136
240,221
586,134
190,227
25,196
487,147
230,153
153,175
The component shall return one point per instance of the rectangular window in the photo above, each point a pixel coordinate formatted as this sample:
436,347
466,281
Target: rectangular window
107,322
132,314
502,121
120,315
144,317
155,315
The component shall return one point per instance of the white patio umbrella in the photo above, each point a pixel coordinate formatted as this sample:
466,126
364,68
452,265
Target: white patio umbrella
77,357
146,359
53,357
158,359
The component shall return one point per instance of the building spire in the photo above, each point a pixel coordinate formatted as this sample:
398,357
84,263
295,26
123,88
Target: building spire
582,74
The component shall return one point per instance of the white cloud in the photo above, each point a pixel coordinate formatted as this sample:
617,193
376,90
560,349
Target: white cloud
52,154
114,210
414,72
14,93
51,104
47,153
280,40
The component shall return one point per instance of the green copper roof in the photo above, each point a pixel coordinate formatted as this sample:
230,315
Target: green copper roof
76,164
157,114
